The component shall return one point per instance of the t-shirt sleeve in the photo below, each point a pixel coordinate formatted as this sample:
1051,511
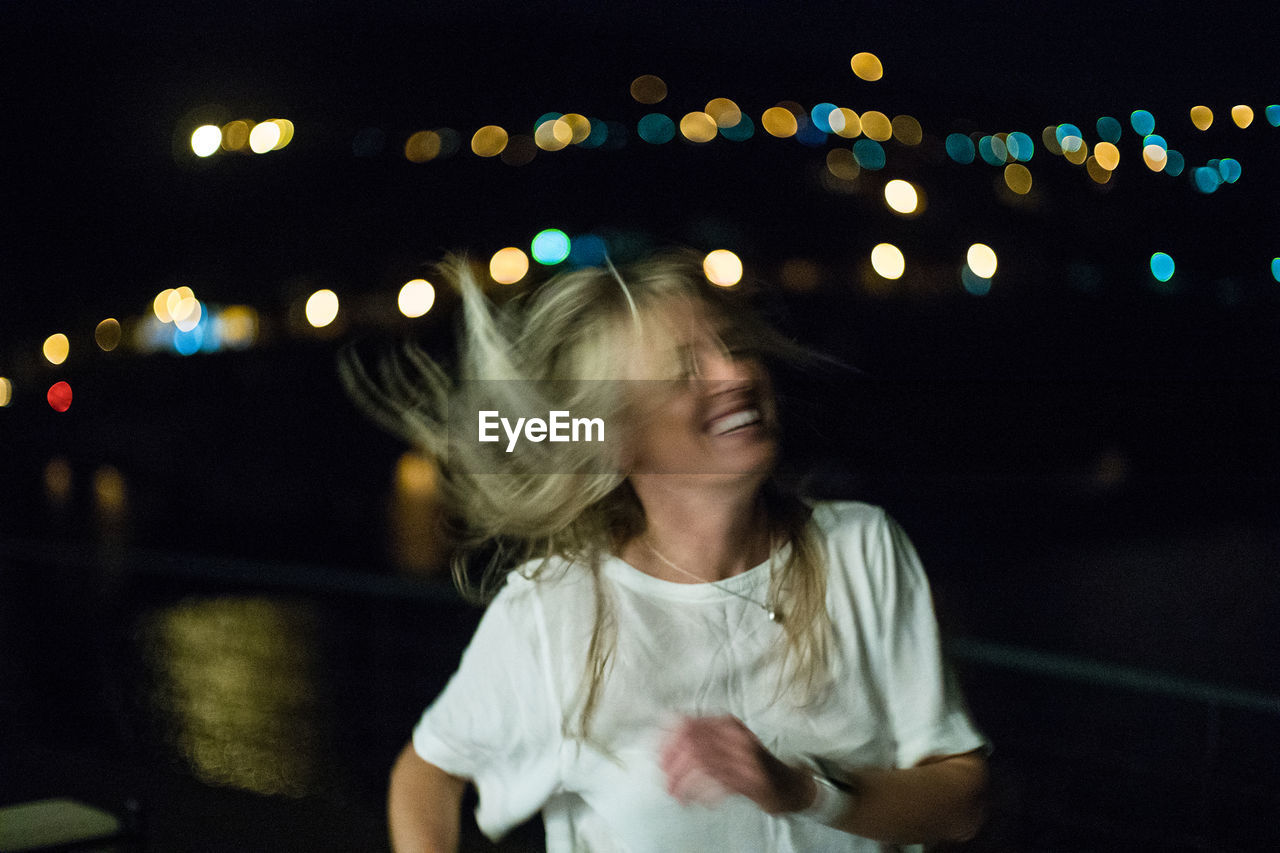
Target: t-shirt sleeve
496,723
926,709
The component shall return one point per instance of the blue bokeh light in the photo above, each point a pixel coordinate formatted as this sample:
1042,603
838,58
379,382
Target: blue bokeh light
807,133
1020,146
1162,266
1174,162
1065,130
1207,178
587,250
960,148
992,151
188,343
821,116
1275,268
550,246
1273,115
1142,122
869,154
1229,168
1109,129
1155,139
656,129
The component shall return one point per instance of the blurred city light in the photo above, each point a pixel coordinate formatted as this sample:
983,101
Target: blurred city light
1108,155
6,392
867,66
236,326
887,261
264,137
206,140
960,148
1017,177
869,154
1162,266
56,348
552,133
648,89
698,127
509,265
907,130
656,129
1242,115
1155,156
1142,122
59,396
845,123
416,297
422,147
235,135
489,141
724,112
1099,173
107,334
901,196
842,164
779,122
876,125
322,308
981,259
1109,129
1020,146
722,267
550,246
1202,117
974,284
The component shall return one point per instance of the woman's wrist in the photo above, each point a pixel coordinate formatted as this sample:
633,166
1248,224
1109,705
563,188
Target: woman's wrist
830,802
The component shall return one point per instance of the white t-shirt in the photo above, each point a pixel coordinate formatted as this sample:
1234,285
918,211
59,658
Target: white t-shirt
695,650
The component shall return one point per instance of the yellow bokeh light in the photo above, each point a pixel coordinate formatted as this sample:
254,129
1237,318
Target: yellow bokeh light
56,348
322,308
1075,149
907,130
867,66
845,122
779,122
1242,115
416,297
509,265
1099,173
206,140
1017,177
180,302
161,306
422,146
1108,155
286,132
1049,136
235,134
1202,117
842,164
1155,156
887,261
648,89
489,141
6,392
722,268
901,196
698,127
264,137
579,127
188,314
981,259
237,326
724,112
876,125
553,134
107,334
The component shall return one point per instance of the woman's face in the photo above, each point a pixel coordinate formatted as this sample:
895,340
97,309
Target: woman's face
702,404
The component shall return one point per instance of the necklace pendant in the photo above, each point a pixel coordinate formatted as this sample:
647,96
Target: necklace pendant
773,615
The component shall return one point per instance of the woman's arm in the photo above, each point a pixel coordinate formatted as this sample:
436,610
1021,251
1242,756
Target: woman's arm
941,799
423,806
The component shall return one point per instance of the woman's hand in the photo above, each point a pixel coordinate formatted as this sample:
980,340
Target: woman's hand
706,759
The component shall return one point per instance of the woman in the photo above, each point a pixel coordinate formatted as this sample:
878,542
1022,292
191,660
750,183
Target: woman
689,657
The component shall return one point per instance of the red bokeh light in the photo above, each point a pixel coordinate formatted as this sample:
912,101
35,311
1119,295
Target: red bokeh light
60,396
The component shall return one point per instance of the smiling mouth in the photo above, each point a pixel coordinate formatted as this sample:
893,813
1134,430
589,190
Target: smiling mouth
734,421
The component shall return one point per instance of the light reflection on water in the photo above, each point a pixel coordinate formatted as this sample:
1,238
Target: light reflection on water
234,679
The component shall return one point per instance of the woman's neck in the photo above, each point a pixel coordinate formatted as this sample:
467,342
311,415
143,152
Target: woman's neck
697,534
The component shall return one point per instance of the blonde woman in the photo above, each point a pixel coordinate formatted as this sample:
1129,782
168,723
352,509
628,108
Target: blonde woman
681,654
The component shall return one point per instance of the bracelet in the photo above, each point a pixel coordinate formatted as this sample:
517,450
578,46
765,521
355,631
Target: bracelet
830,802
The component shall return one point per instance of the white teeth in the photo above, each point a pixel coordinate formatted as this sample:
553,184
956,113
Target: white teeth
738,419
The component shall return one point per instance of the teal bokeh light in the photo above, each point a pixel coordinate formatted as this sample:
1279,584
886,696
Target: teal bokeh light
1161,267
960,148
974,284
869,154
1273,115
1109,129
598,136
656,129
587,250
1207,179
1155,139
1020,146
550,246
992,151
1174,163
1275,268
821,117
1065,130
740,132
1229,168
1142,122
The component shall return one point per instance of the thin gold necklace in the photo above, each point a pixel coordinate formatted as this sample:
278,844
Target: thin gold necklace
774,615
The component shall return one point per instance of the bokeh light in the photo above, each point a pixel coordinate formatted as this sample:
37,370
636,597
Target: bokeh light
322,308
587,250
59,396
1174,163
722,267
842,164
1049,136
648,89
901,196
509,265
869,154
416,297
845,123
779,122
422,147
1142,122
1109,129
489,141
1108,155
552,133
236,326
1202,117
1155,156
206,140
740,132
550,246
820,115
1273,115
1275,268
235,135
992,151
698,127
960,148
1162,266
1020,146
981,258
1242,115
876,125
1017,177
1075,150
56,348
286,132
656,129
724,112
264,137
6,392
1207,179
907,130
867,66
107,334
887,261
1099,173
579,127
974,284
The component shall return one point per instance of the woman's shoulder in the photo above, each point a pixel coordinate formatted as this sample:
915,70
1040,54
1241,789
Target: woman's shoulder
550,579
847,518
